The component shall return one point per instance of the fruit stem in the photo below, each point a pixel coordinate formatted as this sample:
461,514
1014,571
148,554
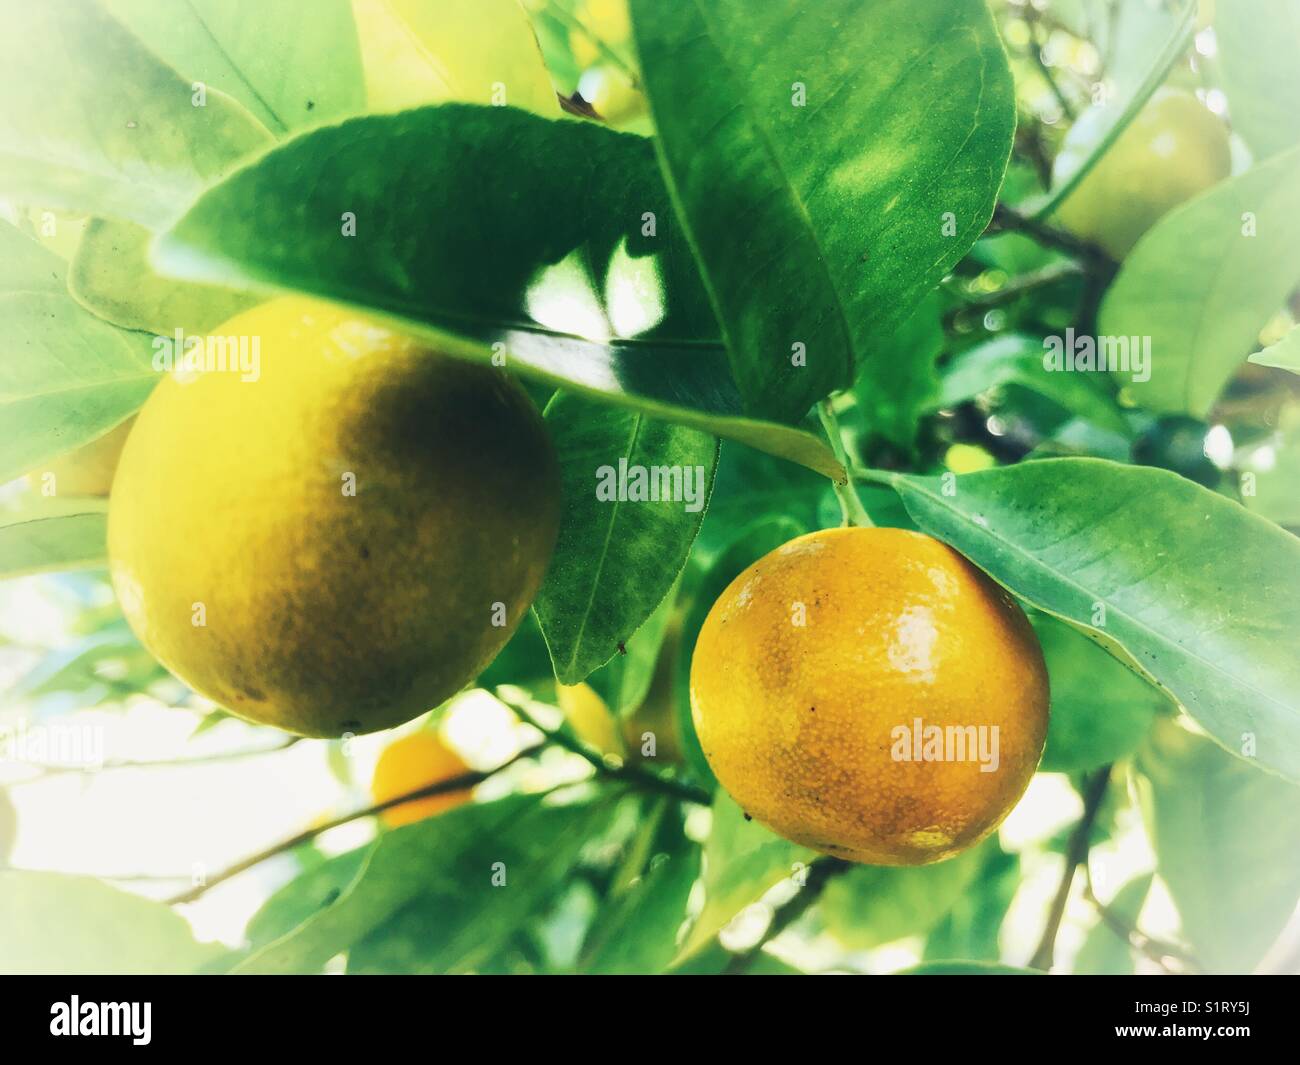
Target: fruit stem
850,505
1169,55
1076,854
634,775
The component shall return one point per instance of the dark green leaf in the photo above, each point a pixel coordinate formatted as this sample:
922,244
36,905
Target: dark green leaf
635,489
824,191
971,927
567,281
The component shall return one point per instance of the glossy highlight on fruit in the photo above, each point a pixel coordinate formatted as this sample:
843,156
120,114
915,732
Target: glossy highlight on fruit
340,541
1174,149
821,672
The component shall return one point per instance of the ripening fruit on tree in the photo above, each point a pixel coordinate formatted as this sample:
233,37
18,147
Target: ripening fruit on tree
1174,149
870,694
341,543
589,717
409,763
87,471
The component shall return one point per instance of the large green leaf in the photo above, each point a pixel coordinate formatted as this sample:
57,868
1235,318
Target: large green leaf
1227,845
1203,282
60,925
1203,595
616,558
426,901
93,121
288,68
870,905
584,282
831,161
65,376
970,928
900,382
52,534
742,860
1101,709
1259,51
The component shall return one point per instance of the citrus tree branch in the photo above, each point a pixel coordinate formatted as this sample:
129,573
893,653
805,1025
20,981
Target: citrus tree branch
634,775
460,783
1076,854
820,873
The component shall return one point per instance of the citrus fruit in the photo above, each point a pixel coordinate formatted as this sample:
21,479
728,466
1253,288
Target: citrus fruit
1174,149
589,717
341,540
870,694
410,763
87,471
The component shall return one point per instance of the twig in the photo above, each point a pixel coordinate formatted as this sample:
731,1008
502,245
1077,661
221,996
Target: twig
1008,219
460,783
1148,946
820,873
1036,47
633,774
850,505
1076,854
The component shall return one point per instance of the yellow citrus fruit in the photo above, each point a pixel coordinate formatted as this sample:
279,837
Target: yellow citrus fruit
340,540
87,471
656,717
412,762
871,694
590,718
1174,149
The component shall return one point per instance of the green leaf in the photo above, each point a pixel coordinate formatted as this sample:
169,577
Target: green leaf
1106,952
1201,286
1227,845
306,895
747,548
585,283
1014,359
1259,52
1285,354
742,859
66,377
622,541
637,934
900,381
110,275
288,68
966,968
970,929
60,925
1211,623
624,680
1101,710
425,900
824,190
45,535
94,121
869,905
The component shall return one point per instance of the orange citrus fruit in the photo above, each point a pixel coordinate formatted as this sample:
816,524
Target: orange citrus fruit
871,694
413,762
339,537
